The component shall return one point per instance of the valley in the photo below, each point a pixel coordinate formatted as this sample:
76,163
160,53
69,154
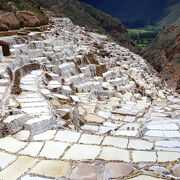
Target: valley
143,37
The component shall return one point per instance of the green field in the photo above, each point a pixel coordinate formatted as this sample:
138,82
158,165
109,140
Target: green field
144,36
137,31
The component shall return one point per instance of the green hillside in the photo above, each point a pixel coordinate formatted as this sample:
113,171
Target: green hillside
172,14
137,13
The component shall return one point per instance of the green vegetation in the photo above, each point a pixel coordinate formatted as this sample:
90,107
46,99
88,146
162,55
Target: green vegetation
4,3
100,32
144,36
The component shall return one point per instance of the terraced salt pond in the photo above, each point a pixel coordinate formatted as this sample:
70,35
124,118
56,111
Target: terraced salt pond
75,105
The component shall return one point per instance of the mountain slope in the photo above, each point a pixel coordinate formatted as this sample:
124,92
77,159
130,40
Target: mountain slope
85,15
172,14
164,52
136,13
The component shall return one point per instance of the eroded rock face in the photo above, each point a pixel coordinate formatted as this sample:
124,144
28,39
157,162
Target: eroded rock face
8,21
28,18
16,19
164,56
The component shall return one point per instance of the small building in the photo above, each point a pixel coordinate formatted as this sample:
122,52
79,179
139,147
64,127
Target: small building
5,48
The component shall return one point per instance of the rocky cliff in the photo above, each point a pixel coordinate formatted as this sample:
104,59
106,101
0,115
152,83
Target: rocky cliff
20,13
164,52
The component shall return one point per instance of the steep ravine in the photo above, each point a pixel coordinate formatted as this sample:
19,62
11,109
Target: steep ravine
164,53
